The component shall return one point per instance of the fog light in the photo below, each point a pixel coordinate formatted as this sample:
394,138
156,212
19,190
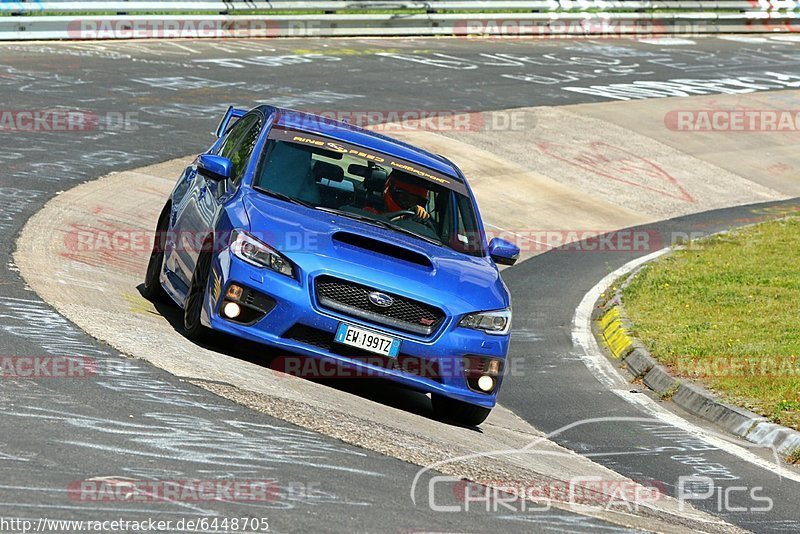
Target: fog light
231,310
486,383
234,292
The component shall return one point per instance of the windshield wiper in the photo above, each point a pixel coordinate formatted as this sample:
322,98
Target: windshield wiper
282,196
382,224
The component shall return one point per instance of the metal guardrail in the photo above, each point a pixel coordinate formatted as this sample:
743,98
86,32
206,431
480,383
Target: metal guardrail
100,19
332,6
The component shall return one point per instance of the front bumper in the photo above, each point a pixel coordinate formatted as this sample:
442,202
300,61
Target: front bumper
299,325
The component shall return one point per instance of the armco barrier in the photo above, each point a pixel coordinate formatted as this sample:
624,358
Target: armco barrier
97,19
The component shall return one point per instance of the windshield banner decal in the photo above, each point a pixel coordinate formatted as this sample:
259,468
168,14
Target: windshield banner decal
385,160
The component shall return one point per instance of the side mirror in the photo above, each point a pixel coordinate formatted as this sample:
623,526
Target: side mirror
503,252
214,168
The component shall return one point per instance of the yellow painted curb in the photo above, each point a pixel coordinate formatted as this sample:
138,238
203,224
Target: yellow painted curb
614,334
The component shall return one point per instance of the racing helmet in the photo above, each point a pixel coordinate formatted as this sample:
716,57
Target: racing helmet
402,193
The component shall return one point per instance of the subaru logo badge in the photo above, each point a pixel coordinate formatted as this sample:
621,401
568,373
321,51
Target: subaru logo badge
381,300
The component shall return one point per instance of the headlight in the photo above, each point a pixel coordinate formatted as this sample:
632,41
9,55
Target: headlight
493,322
248,248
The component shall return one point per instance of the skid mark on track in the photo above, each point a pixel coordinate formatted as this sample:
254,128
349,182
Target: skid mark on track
616,163
107,244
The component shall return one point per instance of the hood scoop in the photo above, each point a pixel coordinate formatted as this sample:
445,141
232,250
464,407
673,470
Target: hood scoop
382,247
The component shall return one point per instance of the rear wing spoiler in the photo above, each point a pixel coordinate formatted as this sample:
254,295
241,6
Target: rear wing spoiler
230,115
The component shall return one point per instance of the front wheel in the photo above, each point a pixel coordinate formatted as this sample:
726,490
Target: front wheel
151,289
459,412
192,324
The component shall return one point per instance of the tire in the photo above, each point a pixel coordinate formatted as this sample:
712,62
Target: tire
459,412
193,326
152,289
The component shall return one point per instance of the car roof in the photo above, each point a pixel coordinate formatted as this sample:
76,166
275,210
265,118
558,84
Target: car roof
348,133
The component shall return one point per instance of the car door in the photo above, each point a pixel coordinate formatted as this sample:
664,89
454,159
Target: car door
197,215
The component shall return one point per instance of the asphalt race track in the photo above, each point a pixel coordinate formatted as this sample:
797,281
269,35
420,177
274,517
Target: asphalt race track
158,101
645,449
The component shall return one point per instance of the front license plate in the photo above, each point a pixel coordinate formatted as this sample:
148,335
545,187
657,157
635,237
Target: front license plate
367,340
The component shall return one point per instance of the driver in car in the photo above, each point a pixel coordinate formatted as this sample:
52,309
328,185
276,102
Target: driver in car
401,194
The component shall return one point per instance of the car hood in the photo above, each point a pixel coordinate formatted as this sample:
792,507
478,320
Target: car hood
323,243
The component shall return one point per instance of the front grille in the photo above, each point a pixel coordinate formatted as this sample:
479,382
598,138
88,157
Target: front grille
325,340
353,299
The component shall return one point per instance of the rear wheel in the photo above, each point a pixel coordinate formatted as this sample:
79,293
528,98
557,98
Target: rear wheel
152,289
193,326
459,412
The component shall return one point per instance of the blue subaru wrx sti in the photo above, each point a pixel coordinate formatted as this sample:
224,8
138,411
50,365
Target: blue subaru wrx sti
341,246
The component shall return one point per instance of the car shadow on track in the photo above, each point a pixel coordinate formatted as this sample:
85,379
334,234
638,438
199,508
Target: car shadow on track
371,388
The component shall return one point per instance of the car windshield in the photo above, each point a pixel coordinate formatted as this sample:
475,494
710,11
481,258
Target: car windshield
370,187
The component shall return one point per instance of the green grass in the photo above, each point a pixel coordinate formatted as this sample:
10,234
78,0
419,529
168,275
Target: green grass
726,312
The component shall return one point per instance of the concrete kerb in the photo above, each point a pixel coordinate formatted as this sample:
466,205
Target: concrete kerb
691,397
